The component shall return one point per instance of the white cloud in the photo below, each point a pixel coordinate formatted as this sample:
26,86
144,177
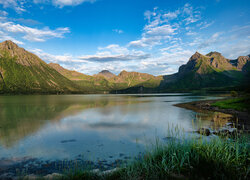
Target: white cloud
66,58
4,36
154,33
17,5
3,13
204,25
115,52
33,34
162,26
210,41
62,3
119,31
171,15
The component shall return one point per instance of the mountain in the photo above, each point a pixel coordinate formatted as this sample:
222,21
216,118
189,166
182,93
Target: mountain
24,72
138,79
106,74
86,83
107,81
207,71
72,75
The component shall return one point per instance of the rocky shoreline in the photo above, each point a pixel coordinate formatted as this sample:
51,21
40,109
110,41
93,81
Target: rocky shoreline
241,120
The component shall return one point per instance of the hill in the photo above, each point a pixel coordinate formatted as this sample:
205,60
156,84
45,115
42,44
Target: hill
24,72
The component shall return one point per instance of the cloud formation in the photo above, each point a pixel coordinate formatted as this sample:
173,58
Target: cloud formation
31,34
115,52
17,5
62,3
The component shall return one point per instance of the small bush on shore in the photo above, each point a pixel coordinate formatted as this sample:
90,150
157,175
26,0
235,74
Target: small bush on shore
234,94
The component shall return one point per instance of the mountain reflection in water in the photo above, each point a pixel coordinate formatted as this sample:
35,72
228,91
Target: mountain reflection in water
95,126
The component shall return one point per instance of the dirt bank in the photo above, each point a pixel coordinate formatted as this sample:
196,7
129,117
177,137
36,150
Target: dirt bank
243,118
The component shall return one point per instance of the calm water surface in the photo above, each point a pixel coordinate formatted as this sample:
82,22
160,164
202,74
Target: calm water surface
95,127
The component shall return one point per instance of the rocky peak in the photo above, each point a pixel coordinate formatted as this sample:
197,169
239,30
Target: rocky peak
123,72
195,56
240,61
8,45
21,55
214,53
190,64
106,74
204,63
105,71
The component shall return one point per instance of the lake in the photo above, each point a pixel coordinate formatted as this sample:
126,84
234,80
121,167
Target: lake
100,130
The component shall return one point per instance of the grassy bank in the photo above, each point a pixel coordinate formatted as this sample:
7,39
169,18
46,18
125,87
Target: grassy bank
239,104
193,159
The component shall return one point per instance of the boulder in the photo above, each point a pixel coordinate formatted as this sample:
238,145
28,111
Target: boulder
204,131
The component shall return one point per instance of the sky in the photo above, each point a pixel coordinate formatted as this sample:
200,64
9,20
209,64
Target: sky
149,36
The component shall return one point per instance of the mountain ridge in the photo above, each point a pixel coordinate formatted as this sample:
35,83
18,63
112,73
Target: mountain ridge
201,71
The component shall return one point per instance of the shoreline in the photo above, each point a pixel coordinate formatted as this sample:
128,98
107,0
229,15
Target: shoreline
242,117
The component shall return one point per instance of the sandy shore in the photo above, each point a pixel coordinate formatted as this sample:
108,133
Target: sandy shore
243,118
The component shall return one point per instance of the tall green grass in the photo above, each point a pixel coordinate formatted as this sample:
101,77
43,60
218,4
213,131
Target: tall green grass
185,159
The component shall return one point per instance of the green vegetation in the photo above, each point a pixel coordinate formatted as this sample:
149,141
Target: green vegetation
183,159
36,78
240,104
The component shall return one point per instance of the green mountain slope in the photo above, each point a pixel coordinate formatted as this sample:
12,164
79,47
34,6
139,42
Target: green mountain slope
206,71
23,72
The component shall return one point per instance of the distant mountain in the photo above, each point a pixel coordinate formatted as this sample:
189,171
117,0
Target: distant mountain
86,83
207,71
105,73
138,79
72,75
107,81
24,72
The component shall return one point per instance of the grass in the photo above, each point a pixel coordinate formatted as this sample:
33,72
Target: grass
193,159
240,104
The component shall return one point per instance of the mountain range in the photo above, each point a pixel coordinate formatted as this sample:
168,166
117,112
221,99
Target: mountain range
25,73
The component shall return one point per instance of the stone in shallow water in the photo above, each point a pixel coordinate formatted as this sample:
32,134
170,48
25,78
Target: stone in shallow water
204,131
67,141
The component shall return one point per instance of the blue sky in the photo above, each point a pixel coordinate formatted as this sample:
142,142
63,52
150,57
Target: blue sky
151,36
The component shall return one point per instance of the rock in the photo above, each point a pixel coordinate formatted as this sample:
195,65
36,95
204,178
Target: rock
226,132
207,104
53,176
109,171
204,131
96,171
30,177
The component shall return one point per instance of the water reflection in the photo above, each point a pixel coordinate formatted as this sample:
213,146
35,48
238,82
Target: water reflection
93,126
21,116
213,120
